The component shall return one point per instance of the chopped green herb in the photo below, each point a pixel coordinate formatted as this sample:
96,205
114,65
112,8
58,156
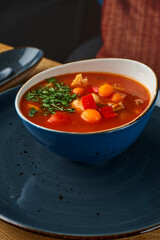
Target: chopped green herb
51,80
52,98
32,112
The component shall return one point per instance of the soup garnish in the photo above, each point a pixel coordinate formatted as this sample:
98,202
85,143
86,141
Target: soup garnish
84,102
52,97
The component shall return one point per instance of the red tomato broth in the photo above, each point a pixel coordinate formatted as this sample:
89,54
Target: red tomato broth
131,88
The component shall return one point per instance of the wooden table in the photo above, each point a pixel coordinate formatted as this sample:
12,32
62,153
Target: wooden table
9,232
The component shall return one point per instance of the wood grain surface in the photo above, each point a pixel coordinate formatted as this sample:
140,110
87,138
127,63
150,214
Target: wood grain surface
10,232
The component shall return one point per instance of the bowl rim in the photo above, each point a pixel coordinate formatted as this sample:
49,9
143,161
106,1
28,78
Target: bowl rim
119,128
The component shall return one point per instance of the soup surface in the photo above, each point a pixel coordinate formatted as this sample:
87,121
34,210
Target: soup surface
84,102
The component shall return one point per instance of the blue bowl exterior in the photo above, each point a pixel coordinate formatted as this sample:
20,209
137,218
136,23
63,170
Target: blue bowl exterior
90,147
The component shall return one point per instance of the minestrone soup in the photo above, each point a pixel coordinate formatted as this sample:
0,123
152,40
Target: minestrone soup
84,102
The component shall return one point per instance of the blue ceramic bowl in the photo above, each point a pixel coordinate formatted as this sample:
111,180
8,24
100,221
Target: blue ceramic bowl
96,146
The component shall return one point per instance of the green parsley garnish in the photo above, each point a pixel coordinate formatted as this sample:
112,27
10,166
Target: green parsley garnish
52,98
32,112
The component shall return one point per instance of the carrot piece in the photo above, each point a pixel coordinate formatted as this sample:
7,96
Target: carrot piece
60,118
48,85
116,97
106,90
91,116
78,90
107,112
33,106
88,102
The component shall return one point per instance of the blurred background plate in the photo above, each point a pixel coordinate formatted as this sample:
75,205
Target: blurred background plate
18,63
42,192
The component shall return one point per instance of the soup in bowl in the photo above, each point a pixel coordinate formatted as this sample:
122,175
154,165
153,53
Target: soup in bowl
88,111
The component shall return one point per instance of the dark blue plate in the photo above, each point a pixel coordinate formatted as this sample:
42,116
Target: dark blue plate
45,193
18,62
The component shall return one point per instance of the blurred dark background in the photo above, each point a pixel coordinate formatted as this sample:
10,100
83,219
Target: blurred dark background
58,27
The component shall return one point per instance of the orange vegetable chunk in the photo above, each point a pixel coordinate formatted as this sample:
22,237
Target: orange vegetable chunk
33,106
91,116
106,90
116,97
78,90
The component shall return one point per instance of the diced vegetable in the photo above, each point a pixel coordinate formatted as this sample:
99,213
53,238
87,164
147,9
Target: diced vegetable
77,105
49,84
33,106
106,90
96,98
117,106
92,89
116,97
79,81
138,101
78,90
88,102
91,116
60,118
107,112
